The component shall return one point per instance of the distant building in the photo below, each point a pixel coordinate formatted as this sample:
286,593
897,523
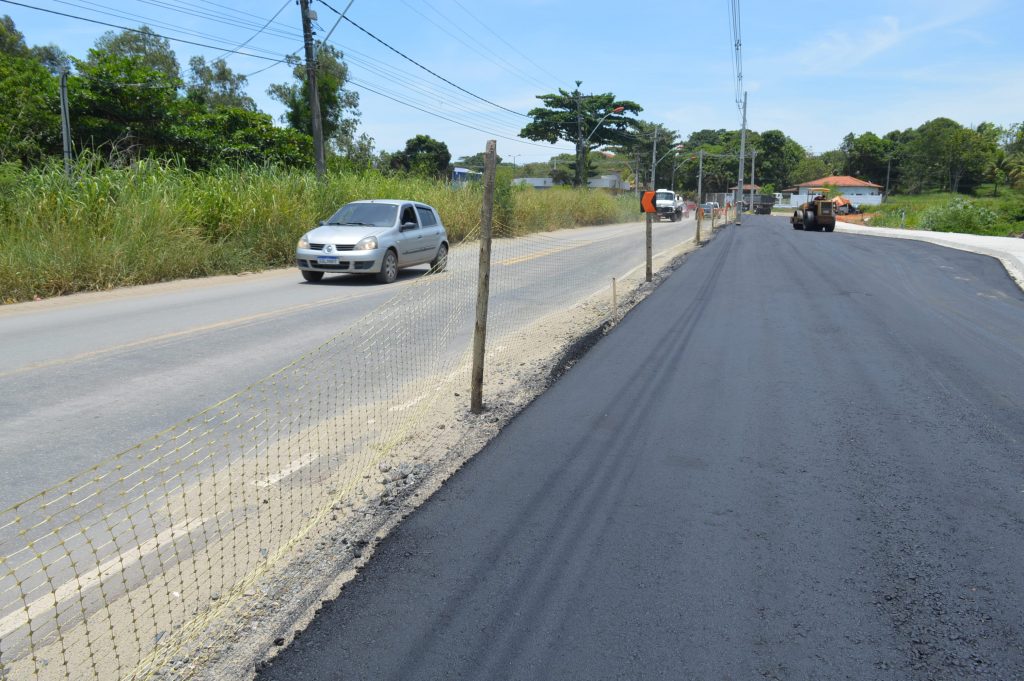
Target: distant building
859,192
612,182
463,176
746,189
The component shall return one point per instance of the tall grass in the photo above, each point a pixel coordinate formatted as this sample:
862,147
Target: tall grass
922,210
157,221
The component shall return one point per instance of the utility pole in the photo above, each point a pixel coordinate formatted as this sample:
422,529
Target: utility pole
314,93
654,157
700,198
743,151
65,121
580,153
888,167
753,158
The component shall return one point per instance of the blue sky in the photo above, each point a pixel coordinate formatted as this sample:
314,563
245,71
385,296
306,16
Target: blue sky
815,69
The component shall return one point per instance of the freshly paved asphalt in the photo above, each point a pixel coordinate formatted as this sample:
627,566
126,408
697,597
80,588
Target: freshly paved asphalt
801,458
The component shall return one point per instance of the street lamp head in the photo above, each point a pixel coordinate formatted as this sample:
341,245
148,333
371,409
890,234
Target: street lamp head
618,109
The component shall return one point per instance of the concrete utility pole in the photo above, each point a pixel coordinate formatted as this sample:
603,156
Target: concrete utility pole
65,121
753,158
743,151
314,93
581,158
654,158
700,198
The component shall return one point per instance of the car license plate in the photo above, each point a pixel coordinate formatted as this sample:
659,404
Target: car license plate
327,260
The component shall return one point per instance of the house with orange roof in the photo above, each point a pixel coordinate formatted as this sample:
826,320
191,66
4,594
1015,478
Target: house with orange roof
859,192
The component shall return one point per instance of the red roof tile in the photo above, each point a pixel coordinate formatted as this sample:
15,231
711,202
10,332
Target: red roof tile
839,181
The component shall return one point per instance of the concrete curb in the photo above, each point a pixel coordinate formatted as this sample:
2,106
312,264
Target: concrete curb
1009,251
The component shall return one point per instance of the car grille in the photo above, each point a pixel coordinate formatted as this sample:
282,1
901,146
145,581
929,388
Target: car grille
337,247
313,264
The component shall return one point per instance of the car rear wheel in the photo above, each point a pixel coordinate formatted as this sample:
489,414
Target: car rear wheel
441,260
312,277
388,268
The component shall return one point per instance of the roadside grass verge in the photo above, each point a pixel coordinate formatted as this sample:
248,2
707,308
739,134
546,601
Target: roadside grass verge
1001,215
157,221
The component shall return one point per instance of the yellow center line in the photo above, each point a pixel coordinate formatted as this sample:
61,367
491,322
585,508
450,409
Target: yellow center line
261,316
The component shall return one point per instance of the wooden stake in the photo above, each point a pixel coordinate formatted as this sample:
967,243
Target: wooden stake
483,281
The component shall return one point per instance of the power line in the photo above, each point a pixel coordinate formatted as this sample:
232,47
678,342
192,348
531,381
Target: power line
147,21
508,66
510,45
136,30
410,59
451,120
737,54
262,28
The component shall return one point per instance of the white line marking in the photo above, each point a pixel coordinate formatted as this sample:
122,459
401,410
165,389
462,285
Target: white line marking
297,465
121,562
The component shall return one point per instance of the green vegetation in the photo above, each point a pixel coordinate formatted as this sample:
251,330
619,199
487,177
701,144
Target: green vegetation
947,212
157,221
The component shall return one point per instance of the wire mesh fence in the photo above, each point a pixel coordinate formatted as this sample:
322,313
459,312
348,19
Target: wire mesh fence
114,571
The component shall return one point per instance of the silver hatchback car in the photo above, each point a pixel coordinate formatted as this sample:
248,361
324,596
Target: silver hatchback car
374,237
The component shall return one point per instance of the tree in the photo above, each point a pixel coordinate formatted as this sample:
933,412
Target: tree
423,155
338,107
121,102
216,86
29,123
867,156
585,120
777,157
12,41
142,44
999,169
476,161
230,135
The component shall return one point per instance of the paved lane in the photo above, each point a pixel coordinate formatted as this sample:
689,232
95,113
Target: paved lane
801,458
85,377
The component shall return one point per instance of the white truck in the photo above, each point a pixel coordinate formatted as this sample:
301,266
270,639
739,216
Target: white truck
668,204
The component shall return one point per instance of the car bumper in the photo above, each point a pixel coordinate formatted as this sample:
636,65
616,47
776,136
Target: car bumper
368,262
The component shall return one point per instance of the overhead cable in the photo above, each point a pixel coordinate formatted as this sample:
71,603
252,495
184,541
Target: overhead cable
136,30
410,59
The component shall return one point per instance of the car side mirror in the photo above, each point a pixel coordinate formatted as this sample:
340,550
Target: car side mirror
407,225
323,222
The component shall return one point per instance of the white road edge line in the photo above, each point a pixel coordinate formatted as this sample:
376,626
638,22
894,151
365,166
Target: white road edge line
297,465
51,601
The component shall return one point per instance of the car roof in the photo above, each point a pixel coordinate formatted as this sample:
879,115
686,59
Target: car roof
392,202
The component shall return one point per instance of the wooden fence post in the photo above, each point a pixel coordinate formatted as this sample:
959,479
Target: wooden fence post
484,280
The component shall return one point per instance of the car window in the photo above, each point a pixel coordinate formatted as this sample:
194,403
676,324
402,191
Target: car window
409,215
664,196
371,214
427,218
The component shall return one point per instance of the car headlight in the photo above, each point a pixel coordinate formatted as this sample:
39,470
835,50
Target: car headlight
304,241
367,244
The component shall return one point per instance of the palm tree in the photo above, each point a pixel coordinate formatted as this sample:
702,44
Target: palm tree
1015,176
999,166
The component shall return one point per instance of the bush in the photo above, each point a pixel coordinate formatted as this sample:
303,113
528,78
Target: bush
959,215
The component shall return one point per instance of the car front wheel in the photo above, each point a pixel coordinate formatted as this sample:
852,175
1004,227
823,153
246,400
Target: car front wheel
441,260
312,277
388,268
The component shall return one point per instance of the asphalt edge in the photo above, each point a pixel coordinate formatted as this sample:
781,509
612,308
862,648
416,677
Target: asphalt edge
1013,265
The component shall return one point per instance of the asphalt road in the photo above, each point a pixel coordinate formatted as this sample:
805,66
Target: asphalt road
801,458
85,377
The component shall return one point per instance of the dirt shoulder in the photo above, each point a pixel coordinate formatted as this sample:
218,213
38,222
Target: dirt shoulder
273,610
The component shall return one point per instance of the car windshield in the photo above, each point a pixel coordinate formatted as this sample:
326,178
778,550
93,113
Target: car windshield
369,214
664,196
